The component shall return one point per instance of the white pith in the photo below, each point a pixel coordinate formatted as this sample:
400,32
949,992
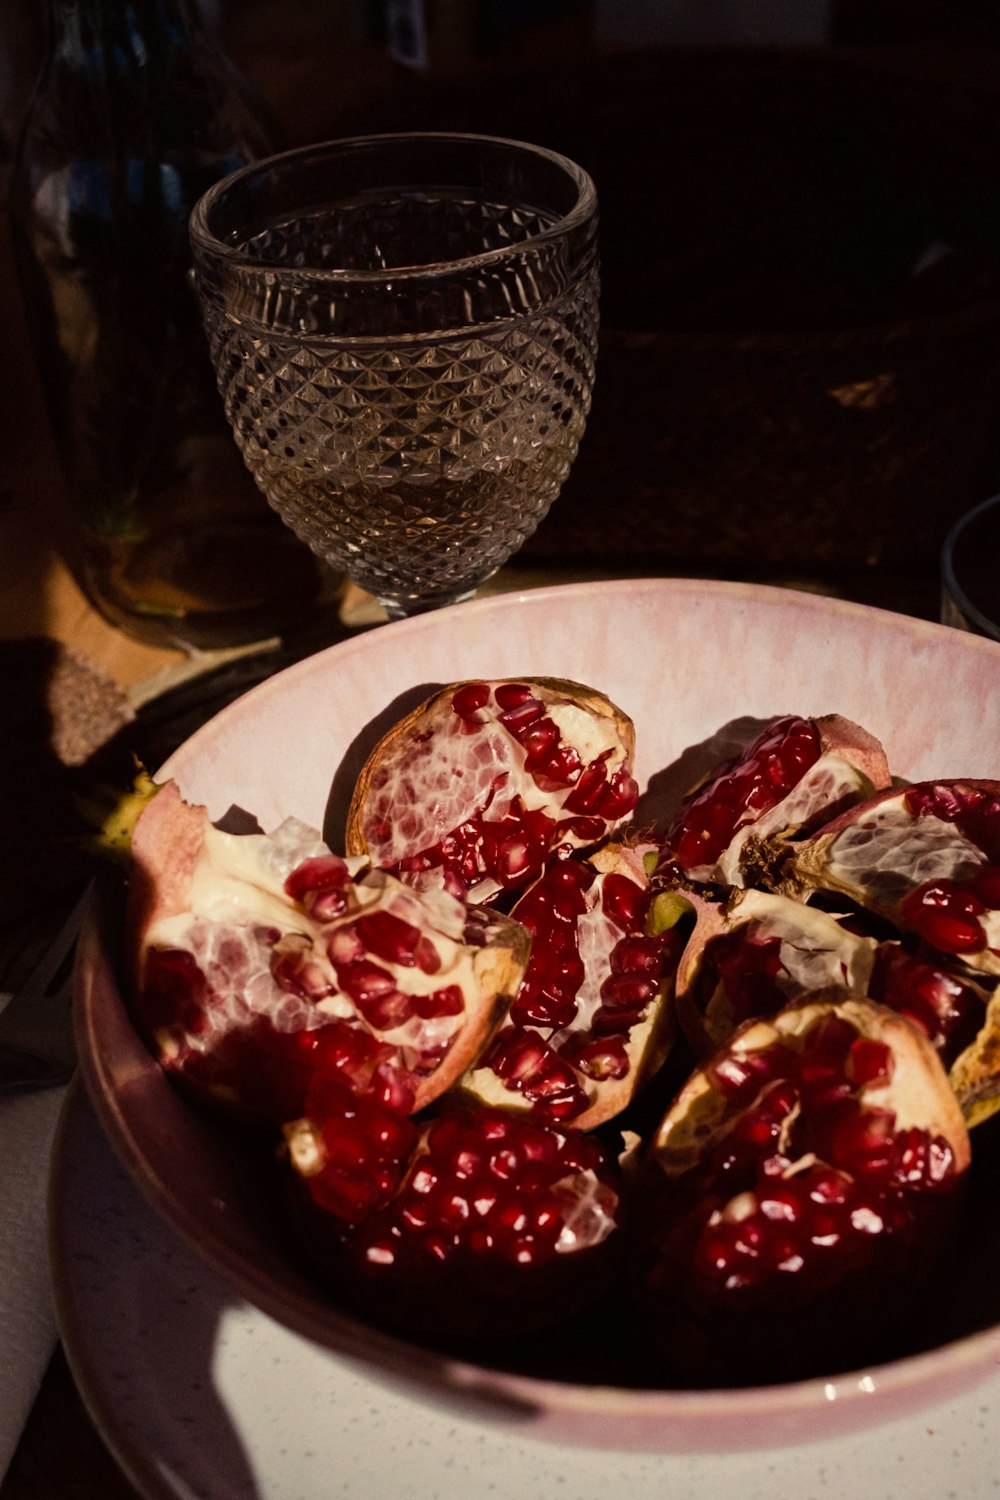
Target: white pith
238,905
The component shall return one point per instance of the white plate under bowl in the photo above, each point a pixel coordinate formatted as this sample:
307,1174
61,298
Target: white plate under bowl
201,1396
687,660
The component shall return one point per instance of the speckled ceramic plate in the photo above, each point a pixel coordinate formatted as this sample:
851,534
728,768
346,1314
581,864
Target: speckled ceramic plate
688,660
198,1394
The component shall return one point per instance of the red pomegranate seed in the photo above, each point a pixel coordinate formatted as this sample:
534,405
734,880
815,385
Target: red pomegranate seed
638,955
385,1011
324,872
388,937
946,915
601,1057
364,981
447,1001
539,740
619,797
512,694
521,717
869,1061
623,901
627,992
754,783
948,1009
300,974
470,699
587,794
975,811
560,767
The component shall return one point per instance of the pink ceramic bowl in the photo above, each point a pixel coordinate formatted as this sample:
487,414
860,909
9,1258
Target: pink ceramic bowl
687,660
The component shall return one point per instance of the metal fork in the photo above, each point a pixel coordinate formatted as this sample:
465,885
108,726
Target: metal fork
36,1027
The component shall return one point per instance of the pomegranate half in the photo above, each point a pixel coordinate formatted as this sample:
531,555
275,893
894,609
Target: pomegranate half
793,1197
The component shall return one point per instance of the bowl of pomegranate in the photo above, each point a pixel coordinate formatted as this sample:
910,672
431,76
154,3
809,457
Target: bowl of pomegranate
580,1007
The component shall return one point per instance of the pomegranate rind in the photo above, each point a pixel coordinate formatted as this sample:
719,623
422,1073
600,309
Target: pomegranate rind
374,830
975,1073
818,955
168,852
649,1042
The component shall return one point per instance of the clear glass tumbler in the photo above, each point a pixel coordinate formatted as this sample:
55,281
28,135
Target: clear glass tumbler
404,331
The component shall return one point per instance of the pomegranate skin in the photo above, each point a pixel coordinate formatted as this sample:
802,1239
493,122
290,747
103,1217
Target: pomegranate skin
477,786
243,951
792,1202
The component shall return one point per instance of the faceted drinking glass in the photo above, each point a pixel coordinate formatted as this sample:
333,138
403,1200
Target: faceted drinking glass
404,331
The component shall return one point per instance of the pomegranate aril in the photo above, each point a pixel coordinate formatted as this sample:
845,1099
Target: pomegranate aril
623,901
946,915
538,741
388,937
470,699
869,1061
522,716
510,695
752,784
386,1010
322,874
619,797
299,973
589,791
602,1057
447,1001
637,955
364,981
627,992
559,767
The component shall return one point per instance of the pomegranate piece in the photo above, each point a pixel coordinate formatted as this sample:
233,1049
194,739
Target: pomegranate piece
245,949
476,788
791,1201
592,1019
755,954
926,858
496,1224
796,773
758,953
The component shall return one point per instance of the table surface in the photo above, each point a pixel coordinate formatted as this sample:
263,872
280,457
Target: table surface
39,602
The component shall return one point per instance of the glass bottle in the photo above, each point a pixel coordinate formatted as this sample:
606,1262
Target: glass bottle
135,114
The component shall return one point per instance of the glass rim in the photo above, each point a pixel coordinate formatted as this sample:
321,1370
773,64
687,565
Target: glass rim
235,257
949,579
